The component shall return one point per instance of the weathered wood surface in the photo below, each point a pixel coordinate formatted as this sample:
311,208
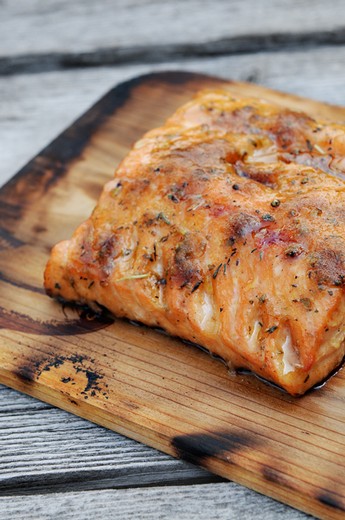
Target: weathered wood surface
65,34
223,501
36,107
134,380
45,448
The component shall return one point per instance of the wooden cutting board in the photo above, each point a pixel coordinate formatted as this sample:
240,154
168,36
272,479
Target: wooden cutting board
134,380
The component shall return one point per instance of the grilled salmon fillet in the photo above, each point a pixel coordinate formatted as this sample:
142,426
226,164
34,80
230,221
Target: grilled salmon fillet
225,227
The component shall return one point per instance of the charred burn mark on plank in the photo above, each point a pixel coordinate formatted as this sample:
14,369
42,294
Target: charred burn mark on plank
273,475
32,370
88,321
38,228
26,373
9,210
93,379
328,500
8,241
197,448
21,284
177,77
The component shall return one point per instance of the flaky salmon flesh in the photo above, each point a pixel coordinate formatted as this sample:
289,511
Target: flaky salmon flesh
225,227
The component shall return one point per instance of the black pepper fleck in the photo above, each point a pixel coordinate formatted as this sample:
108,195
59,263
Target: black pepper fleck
275,203
267,217
309,145
270,330
196,286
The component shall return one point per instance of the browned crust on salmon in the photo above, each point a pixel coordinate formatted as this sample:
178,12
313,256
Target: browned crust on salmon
226,227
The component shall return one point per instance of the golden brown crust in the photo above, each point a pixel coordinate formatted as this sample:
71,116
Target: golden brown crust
226,227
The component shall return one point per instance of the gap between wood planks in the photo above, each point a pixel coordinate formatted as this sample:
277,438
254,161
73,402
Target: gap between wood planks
108,461
69,485
274,42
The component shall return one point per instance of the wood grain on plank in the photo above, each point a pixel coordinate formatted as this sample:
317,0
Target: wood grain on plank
36,108
134,380
223,501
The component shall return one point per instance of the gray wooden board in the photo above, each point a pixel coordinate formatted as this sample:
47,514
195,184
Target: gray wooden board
36,107
33,26
221,501
44,447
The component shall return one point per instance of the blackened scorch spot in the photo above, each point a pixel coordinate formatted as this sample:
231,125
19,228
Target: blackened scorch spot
198,447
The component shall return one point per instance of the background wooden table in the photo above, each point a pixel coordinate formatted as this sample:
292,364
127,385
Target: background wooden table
56,58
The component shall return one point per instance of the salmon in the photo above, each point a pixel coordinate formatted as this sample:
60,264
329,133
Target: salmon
224,227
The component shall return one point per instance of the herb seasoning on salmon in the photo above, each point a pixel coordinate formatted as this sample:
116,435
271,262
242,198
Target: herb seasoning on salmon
225,227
